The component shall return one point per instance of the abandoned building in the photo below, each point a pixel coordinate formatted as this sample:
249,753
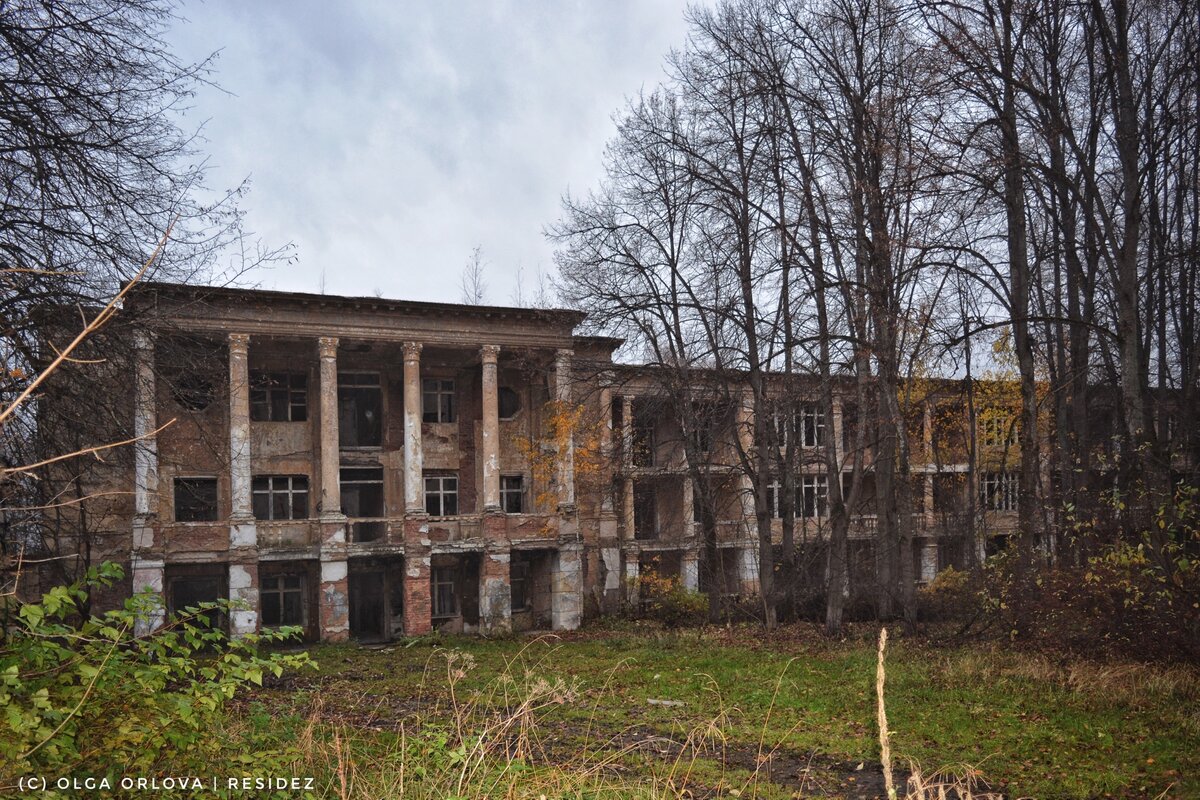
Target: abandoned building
373,468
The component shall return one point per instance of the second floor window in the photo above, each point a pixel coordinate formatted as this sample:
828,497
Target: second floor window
512,494
360,410
278,397
997,430
437,400
998,491
280,496
810,425
441,495
195,499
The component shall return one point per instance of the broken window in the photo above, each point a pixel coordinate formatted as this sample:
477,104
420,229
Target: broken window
196,586
512,494
280,496
282,598
360,410
437,400
195,499
643,442
441,495
998,491
518,580
509,402
811,425
193,391
278,396
996,429
645,514
812,496
442,592
362,497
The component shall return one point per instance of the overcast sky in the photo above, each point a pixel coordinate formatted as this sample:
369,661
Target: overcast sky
388,139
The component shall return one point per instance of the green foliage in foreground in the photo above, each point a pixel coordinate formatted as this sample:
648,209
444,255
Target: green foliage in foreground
86,697
1030,725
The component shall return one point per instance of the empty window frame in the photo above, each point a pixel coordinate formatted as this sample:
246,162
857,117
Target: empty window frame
512,494
443,591
362,500
997,430
278,396
437,400
998,491
508,403
812,496
643,442
810,424
280,496
282,599
360,410
518,581
441,495
195,499
190,590
645,513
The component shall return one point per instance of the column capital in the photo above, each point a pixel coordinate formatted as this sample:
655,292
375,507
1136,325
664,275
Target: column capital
239,343
327,346
412,351
489,353
564,354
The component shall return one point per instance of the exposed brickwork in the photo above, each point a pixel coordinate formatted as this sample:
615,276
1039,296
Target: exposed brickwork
417,603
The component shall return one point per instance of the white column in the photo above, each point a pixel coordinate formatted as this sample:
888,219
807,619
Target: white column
331,488
566,589
690,570
689,507
490,444
148,577
242,531
145,459
627,431
566,452
414,452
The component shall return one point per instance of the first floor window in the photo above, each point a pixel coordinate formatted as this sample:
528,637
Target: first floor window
280,497
282,598
195,499
445,603
773,498
998,491
519,583
512,494
441,495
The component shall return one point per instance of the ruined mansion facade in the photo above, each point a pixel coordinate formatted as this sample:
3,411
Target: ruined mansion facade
375,468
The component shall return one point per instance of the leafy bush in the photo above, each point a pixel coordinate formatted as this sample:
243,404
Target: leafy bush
1139,598
949,596
665,599
88,697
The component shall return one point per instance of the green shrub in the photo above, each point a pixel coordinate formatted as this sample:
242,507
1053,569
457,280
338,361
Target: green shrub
89,698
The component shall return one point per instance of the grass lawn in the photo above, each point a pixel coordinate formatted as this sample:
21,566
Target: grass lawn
791,715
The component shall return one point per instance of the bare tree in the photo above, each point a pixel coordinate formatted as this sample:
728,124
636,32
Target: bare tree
472,283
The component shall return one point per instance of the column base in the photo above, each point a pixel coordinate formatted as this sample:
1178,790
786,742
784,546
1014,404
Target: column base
148,576
566,587
418,606
243,588
334,600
